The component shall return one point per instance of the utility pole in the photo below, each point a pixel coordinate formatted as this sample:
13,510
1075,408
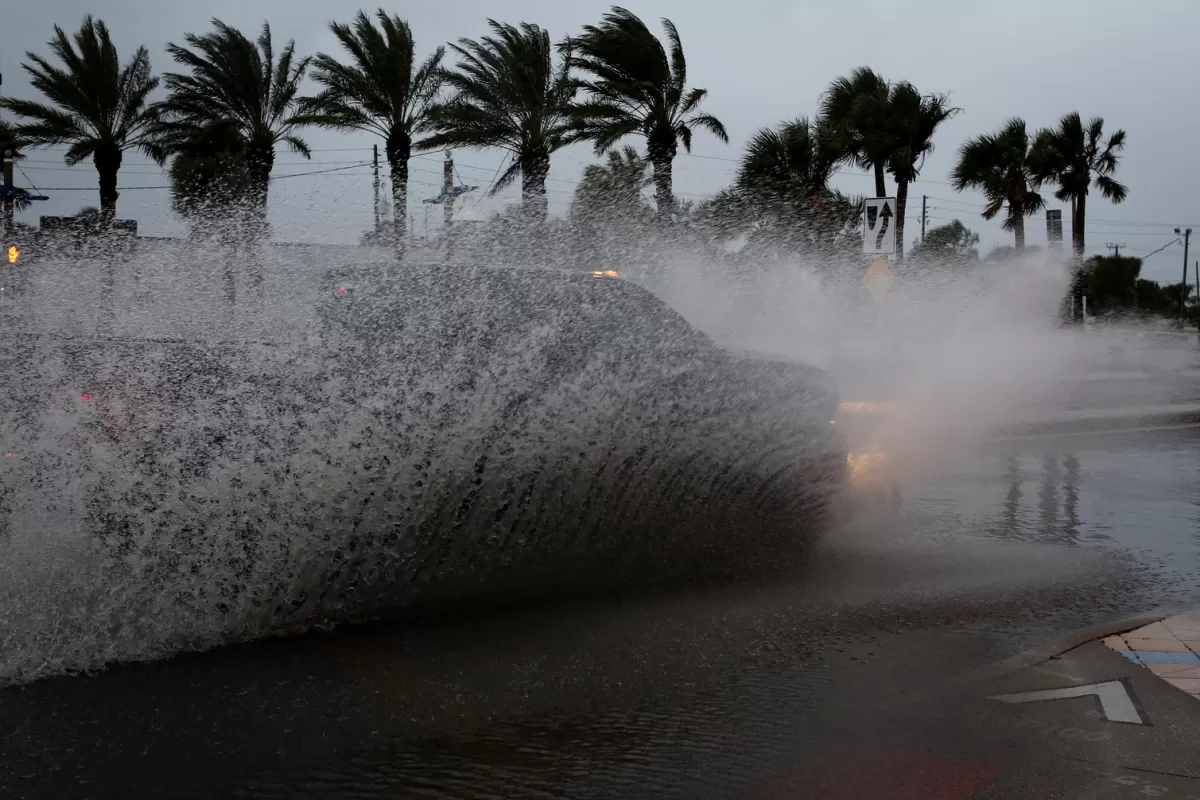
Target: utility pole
1116,248
924,216
1183,283
375,154
8,190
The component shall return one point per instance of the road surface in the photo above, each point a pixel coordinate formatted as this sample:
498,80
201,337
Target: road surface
843,681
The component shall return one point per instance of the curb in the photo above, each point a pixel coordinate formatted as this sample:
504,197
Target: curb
1045,652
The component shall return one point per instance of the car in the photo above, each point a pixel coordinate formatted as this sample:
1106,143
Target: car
430,438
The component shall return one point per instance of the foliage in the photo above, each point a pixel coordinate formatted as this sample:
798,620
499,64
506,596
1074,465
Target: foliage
780,200
381,90
210,181
854,111
243,87
911,120
1076,157
508,93
608,214
998,164
952,244
97,106
1110,282
636,87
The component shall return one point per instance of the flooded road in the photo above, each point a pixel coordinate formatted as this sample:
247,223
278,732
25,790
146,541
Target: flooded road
719,692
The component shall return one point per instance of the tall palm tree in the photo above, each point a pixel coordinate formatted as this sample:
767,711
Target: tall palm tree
911,119
97,105
1075,158
853,110
999,165
235,83
508,93
381,90
637,88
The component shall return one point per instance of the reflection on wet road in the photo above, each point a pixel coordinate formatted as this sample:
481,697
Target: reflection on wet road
724,692
1135,494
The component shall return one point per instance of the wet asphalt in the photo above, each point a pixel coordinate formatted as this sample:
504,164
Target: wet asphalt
839,681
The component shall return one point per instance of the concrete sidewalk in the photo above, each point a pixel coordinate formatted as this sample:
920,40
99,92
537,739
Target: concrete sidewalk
1117,717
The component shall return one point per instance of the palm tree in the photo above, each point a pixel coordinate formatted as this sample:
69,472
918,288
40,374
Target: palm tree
614,186
911,119
789,163
1070,156
508,93
638,88
97,105
241,85
382,90
608,215
783,180
853,110
999,165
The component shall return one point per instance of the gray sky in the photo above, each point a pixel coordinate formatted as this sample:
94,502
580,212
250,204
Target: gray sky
762,61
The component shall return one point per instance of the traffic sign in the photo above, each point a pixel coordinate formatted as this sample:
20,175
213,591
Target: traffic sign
878,279
879,226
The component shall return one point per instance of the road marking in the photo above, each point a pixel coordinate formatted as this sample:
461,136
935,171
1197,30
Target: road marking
1115,701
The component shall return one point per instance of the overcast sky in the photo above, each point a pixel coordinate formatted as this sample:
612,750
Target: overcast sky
762,61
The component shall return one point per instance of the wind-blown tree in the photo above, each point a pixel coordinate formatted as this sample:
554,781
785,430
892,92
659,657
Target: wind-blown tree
210,182
780,199
608,214
614,187
507,93
999,165
636,87
98,107
1075,158
911,121
784,178
241,86
380,90
854,111
947,245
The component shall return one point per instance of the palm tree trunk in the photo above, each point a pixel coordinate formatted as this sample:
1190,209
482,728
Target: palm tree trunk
1017,210
901,204
534,169
259,162
662,156
398,151
1077,222
108,164
880,185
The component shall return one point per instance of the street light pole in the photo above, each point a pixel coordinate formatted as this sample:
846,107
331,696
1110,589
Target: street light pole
1183,284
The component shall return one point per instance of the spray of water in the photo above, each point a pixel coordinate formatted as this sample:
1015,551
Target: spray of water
186,514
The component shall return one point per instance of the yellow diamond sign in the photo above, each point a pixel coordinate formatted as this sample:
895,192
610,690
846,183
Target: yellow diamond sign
878,279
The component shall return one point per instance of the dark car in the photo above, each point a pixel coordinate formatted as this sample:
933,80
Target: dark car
435,436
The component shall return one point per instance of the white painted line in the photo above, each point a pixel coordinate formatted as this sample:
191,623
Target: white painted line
1114,699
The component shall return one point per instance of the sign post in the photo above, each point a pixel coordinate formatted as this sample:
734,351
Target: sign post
879,226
